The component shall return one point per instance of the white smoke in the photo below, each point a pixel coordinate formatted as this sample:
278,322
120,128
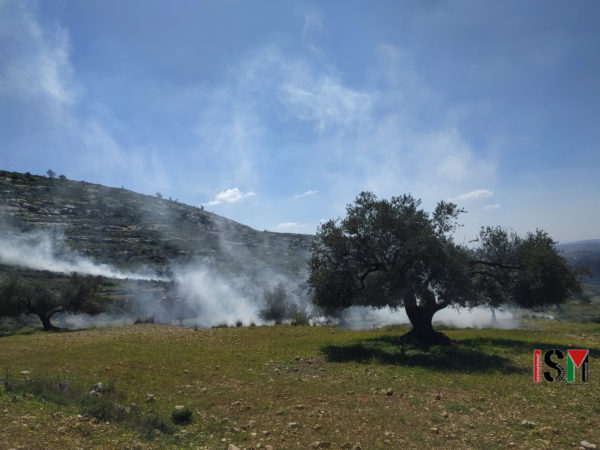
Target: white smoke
479,317
218,299
228,297
215,297
204,296
43,251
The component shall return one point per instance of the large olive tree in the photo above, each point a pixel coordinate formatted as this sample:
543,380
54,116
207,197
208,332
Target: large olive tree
392,253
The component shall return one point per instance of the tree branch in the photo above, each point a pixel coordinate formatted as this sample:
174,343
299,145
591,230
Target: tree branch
442,305
363,277
494,264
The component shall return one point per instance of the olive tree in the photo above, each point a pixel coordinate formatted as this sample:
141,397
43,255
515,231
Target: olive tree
393,253
44,299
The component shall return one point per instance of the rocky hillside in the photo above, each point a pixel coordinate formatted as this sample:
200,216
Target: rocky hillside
130,230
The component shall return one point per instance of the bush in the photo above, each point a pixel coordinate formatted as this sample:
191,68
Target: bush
101,409
139,320
277,305
239,323
182,416
300,318
152,423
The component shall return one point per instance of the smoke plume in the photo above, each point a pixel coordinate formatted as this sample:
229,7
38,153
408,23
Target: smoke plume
44,251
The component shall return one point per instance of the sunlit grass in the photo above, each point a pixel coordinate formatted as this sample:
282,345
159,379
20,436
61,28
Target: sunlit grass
290,387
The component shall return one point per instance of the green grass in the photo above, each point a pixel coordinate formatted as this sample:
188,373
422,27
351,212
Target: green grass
246,385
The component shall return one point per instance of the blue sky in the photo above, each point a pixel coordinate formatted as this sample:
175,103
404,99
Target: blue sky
277,114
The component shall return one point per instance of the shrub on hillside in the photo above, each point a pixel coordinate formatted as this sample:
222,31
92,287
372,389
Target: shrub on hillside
182,416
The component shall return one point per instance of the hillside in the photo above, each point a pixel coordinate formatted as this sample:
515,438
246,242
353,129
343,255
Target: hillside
584,253
224,271
130,230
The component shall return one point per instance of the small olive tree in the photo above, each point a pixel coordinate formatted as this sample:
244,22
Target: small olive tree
277,305
77,294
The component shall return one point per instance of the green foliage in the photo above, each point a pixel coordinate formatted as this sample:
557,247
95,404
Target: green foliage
152,423
392,253
277,305
300,318
182,416
388,253
528,272
75,294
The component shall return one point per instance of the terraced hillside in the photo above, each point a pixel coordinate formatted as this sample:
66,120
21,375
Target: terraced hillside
129,230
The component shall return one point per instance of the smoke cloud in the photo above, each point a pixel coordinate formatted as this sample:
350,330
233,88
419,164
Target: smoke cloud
479,317
204,294
44,251
218,300
218,297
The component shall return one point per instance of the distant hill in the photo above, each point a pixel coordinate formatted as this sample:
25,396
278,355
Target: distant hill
129,230
584,253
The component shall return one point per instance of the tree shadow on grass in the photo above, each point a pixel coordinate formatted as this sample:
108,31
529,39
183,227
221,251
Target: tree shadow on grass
389,350
522,346
40,331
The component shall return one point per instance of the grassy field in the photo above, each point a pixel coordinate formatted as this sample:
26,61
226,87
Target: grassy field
292,387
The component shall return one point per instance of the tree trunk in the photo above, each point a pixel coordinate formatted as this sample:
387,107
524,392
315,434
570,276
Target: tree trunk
421,318
46,323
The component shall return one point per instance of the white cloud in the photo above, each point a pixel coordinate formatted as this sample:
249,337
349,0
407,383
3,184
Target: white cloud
230,196
474,195
36,64
36,71
306,194
492,206
366,139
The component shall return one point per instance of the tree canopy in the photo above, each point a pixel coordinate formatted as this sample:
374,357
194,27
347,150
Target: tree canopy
76,294
393,253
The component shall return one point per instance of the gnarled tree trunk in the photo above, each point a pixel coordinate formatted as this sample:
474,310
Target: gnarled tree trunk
46,324
421,319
